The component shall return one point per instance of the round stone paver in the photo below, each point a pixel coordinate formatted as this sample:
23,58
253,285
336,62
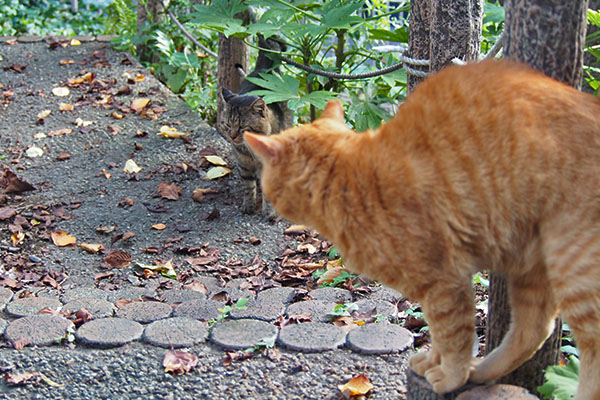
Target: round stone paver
383,308
5,296
331,294
318,309
83,292
176,332
39,330
109,332
384,293
173,296
283,294
31,305
3,324
130,293
145,311
234,293
213,285
380,338
263,310
312,337
241,334
99,308
203,310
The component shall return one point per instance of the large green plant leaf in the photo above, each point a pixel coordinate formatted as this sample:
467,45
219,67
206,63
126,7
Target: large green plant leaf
336,16
279,87
561,381
221,17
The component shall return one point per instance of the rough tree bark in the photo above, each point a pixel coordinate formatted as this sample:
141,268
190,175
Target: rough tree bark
549,36
443,29
232,52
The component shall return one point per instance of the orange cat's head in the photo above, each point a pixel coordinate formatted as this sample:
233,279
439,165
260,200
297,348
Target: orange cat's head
291,161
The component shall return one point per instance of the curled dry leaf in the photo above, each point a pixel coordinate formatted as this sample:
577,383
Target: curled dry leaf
131,167
179,362
139,78
20,343
34,151
159,227
296,229
66,107
91,247
61,91
62,239
357,386
217,172
139,104
12,184
330,275
60,132
80,122
118,259
17,238
198,194
65,61
107,174
169,191
171,133
43,114
216,160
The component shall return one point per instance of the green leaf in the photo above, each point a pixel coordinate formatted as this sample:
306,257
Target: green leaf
493,13
593,17
318,98
399,35
338,16
561,381
280,87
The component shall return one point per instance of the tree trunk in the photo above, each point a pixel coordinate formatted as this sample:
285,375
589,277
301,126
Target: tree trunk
549,36
441,30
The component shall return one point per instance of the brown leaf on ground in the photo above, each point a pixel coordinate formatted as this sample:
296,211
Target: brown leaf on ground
169,191
81,316
196,286
126,202
63,156
12,184
7,212
357,386
330,275
231,357
179,362
91,247
115,130
121,302
159,227
214,214
127,235
62,239
22,378
117,259
139,103
198,194
293,319
20,343
60,132
102,275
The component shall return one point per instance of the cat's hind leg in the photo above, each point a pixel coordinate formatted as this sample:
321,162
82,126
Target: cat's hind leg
450,311
533,311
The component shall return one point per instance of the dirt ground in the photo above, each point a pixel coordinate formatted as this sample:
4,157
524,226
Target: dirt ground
82,190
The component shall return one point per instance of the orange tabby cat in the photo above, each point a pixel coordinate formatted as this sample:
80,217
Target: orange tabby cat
485,166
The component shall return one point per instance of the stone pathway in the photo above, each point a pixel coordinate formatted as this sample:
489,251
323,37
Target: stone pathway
183,318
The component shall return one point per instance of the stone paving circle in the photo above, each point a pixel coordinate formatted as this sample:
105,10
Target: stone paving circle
176,332
241,334
173,296
331,294
263,310
318,309
39,330
144,311
380,338
3,325
312,336
130,293
31,305
5,296
203,310
283,294
109,332
83,292
99,308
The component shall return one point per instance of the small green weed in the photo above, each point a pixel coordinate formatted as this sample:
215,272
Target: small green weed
343,310
225,311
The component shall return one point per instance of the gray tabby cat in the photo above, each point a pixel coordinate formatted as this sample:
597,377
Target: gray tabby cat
250,113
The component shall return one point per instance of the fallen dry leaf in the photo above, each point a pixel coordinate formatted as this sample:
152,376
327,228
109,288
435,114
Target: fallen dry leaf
62,239
139,104
66,107
330,275
139,78
169,191
131,167
217,172
107,174
171,133
63,156
29,377
60,132
198,194
61,91
12,184
357,386
118,259
80,122
43,114
179,362
295,229
159,227
64,61
34,151
75,42
7,212
17,238
91,247
216,160
20,343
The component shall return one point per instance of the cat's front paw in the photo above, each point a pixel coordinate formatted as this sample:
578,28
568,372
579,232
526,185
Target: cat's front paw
446,380
249,206
423,361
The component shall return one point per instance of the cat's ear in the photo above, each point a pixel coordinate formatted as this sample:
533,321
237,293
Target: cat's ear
259,107
334,110
267,148
228,95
